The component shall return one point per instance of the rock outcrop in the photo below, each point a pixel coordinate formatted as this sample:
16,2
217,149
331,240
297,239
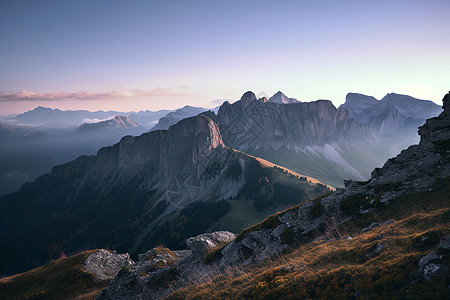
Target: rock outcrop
105,264
151,276
200,245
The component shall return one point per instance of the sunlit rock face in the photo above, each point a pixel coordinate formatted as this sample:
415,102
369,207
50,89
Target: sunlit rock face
158,188
128,197
254,123
319,140
313,138
281,98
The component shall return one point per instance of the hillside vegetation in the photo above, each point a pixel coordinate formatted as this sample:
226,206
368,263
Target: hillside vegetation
61,279
343,262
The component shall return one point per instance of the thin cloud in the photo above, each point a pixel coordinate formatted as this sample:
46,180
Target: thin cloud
89,95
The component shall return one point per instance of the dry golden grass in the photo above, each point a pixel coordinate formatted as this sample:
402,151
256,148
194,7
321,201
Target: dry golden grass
346,268
64,278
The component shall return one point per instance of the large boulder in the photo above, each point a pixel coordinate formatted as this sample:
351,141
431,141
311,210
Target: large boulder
105,264
203,243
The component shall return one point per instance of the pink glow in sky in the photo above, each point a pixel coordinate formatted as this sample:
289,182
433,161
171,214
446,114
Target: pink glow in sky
155,54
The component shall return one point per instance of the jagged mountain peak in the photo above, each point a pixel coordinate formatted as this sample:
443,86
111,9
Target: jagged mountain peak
204,132
173,117
248,96
355,102
446,103
436,130
281,98
394,114
124,122
118,122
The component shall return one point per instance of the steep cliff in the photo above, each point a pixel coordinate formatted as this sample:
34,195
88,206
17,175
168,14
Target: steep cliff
388,236
158,188
313,138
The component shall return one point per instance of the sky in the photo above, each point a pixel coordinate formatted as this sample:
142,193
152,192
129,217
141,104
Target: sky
138,55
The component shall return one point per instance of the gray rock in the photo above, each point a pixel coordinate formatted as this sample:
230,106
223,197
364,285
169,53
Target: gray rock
388,222
380,247
164,266
431,265
105,264
372,226
445,244
201,244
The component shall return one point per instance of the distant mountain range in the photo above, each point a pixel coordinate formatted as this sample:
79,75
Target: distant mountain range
116,127
174,116
48,117
202,173
316,139
65,135
26,152
394,114
363,236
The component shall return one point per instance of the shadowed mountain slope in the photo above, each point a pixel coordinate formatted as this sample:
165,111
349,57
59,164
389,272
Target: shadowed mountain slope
158,188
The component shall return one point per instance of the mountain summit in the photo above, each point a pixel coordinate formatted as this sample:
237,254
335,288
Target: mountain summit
395,114
311,138
281,98
118,122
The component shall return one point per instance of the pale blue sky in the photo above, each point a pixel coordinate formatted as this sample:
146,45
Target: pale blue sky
165,54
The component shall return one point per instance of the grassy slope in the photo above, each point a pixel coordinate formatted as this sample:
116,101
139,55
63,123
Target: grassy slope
345,267
243,214
268,164
60,279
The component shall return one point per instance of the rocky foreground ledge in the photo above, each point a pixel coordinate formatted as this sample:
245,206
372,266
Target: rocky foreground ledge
156,270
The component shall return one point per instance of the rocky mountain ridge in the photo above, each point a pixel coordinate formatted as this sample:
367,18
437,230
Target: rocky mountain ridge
414,170
408,172
281,98
48,117
318,140
313,138
258,123
174,117
392,115
160,187
118,122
